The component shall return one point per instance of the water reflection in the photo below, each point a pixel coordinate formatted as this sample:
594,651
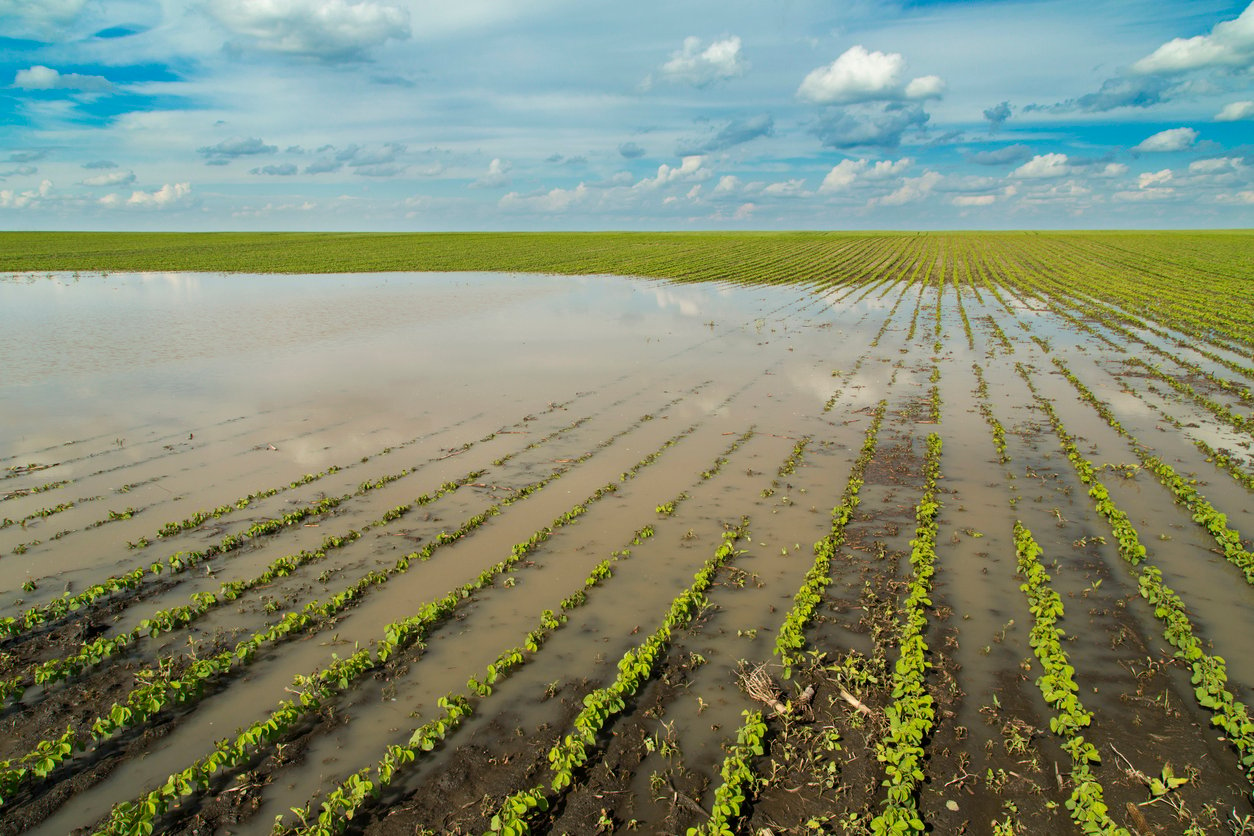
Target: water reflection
84,349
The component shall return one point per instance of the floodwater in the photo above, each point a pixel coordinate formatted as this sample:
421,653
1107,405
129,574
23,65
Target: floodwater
84,354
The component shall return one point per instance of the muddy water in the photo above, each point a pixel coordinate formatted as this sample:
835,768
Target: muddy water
178,350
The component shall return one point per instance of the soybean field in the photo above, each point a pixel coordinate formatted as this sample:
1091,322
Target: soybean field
607,533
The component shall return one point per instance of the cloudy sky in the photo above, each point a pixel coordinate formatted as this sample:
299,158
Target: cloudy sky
566,114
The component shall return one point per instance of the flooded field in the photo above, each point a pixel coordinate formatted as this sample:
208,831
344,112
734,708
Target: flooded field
940,543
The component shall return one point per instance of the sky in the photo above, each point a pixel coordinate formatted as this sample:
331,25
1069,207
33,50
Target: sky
562,114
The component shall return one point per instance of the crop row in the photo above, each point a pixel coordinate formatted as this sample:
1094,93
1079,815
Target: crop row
739,779
911,714
1059,689
790,640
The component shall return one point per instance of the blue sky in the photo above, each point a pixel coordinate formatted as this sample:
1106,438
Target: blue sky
556,114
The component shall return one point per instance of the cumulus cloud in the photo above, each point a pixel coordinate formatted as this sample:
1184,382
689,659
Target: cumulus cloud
727,184
1043,166
690,168
554,200
1230,45
912,189
870,125
327,30
1235,112
1006,155
997,116
701,66
862,76
113,178
1216,165
495,177
40,77
735,132
965,201
1111,170
10,199
1153,178
847,172
630,150
168,196
234,147
1175,139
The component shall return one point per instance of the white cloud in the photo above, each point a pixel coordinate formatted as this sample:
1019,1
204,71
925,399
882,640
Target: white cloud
692,168
496,176
842,176
10,199
1216,165
330,30
744,211
1111,170
888,168
1153,178
40,77
727,184
1173,139
1229,45
1044,166
787,188
1235,112
925,87
113,178
164,197
701,66
846,172
964,201
911,189
555,200
862,76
